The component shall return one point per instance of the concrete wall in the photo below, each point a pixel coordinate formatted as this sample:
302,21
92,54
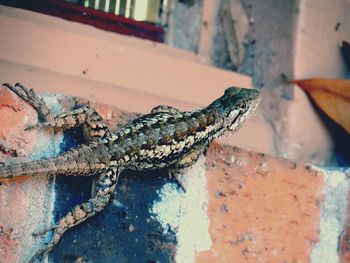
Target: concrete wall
64,57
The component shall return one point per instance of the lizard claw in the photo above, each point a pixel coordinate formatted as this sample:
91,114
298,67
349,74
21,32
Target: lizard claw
32,127
29,96
44,231
40,255
7,150
178,179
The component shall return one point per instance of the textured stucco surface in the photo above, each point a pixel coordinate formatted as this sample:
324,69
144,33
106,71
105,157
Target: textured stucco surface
261,209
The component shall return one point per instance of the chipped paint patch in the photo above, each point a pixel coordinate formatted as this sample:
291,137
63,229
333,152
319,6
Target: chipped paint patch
118,203
49,143
186,214
51,101
47,146
167,210
332,218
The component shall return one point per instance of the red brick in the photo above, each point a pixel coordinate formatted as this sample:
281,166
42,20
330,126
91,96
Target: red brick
261,209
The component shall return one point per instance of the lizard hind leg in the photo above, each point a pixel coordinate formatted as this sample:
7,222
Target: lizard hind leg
176,170
104,190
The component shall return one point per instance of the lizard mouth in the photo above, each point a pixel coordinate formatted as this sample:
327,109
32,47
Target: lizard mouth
234,123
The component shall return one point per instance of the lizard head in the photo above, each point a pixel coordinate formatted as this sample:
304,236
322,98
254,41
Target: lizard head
235,106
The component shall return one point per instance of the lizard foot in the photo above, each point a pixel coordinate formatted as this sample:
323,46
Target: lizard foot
42,253
179,179
44,231
29,96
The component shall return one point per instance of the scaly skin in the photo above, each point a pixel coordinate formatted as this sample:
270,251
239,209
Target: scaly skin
165,138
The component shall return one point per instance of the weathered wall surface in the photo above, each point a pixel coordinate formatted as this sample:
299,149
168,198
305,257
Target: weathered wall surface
135,75
238,204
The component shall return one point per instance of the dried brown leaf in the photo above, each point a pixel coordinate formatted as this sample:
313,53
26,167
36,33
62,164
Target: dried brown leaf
332,96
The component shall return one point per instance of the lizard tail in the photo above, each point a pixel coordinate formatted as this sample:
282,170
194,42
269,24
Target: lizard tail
70,162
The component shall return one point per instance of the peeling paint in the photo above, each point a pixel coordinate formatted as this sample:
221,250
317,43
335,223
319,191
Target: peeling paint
49,144
332,218
167,210
51,101
117,203
186,213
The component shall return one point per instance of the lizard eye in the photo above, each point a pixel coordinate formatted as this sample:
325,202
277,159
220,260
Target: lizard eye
243,106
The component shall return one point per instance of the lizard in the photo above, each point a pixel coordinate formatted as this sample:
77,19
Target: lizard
164,138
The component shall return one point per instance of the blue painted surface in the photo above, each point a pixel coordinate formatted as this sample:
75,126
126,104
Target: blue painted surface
124,231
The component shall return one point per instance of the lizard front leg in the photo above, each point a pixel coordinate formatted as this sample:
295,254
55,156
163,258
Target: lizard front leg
94,126
187,161
104,189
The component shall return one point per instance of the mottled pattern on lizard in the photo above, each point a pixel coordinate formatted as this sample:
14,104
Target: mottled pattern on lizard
165,138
